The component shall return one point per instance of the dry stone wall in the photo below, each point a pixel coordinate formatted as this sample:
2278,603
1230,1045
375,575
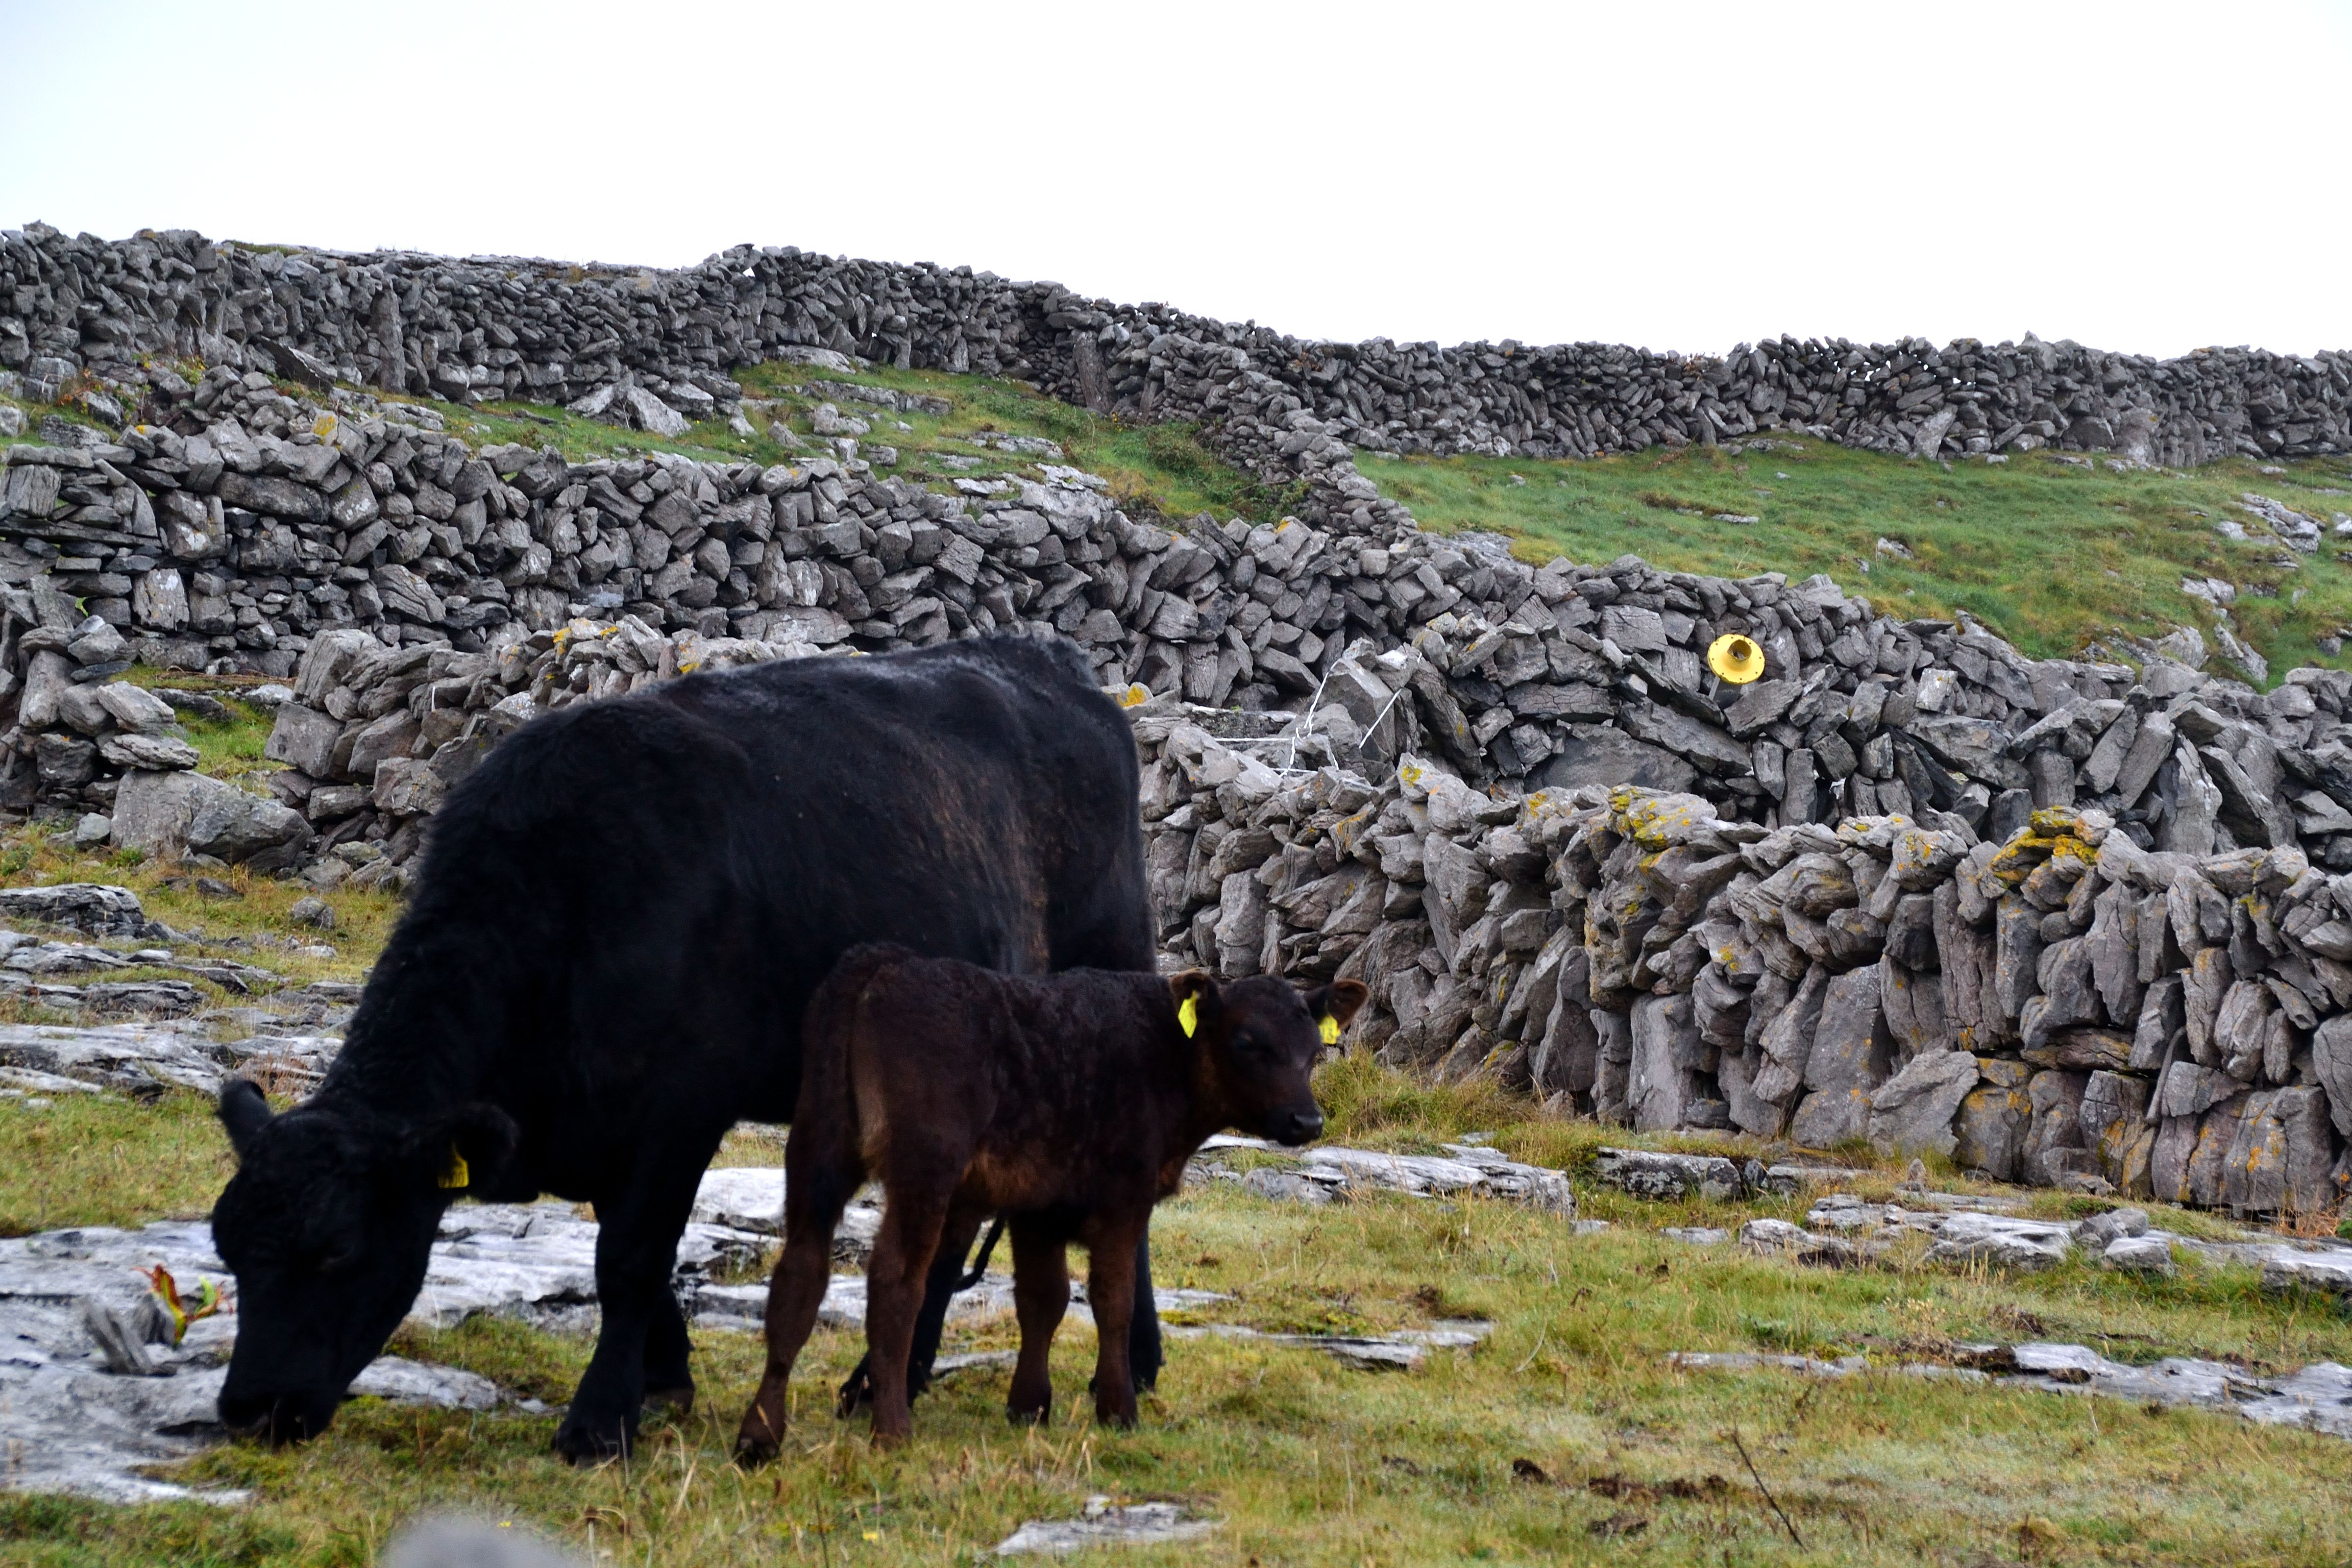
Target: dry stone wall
2062,1007
659,344
2060,920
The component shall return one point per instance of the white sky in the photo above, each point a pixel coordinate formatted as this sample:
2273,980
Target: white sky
1676,175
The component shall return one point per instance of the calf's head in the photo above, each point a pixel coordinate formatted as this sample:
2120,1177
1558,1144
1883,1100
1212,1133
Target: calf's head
328,1225
1258,1041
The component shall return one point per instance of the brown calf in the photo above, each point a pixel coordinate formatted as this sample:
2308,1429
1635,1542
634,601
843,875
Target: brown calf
1067,1103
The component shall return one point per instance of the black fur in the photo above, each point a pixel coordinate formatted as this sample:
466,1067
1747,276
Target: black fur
618,921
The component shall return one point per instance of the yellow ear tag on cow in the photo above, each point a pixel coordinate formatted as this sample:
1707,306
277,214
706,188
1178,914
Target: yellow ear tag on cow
1188,1014
456,1175
1330,1030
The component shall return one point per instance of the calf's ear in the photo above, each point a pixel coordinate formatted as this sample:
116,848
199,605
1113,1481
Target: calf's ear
1337,1001
1198,1003
243,1111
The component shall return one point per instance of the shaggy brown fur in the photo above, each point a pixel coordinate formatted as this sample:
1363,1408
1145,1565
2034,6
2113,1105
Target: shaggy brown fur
1068,1103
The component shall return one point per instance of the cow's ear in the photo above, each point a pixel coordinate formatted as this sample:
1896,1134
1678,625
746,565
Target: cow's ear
1337,1003
1198,1003
243,1113
467,1145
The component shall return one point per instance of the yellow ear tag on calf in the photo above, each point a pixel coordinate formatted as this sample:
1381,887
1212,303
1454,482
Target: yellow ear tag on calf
456,1175
1330,1030
1188,1014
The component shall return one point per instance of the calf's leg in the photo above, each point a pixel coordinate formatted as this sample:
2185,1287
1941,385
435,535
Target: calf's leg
913,1215
1110,1291
931,1323
1041,1294
813,1200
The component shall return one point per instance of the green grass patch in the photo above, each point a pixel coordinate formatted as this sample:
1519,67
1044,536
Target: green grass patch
2050,554
1525,1450
92,1159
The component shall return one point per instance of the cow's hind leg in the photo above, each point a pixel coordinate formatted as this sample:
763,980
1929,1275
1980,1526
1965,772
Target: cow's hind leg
1041,1295
913,1215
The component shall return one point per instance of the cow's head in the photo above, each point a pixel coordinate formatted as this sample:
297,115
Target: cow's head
328,1225
1259,1040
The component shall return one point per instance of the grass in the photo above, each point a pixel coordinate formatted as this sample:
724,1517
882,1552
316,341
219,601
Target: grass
92,1159
2051,554
1309,1463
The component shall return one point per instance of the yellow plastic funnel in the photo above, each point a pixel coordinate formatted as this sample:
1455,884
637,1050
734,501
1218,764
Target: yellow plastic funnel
1734,657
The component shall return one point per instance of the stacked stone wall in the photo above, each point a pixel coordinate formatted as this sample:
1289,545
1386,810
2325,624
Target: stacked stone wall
512,328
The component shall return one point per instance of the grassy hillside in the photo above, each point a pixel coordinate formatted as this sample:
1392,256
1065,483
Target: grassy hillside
2051,553
2055,552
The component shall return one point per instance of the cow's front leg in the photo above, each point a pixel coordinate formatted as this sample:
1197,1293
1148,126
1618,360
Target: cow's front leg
1143,1352
636,1250
669,1355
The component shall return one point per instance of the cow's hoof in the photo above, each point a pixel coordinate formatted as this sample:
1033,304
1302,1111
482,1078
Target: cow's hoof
592,1442
854,1390
751,1452
680,1399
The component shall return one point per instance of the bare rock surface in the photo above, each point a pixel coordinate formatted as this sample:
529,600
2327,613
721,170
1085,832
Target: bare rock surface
91,1388
2318,1397
1106,1523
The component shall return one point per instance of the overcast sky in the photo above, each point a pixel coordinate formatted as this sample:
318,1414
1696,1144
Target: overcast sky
1684,175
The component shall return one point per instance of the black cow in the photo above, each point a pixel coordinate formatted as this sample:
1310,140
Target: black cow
619,918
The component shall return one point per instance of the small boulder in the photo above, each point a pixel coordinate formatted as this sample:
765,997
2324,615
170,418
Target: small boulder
316,913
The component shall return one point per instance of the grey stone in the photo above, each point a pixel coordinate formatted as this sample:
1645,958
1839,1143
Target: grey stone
303,739
1104,1524
170,813
1912,1112
1599,755
1849,1059
95,908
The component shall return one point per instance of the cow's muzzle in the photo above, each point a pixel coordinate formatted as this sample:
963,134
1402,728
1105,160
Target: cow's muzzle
281,1418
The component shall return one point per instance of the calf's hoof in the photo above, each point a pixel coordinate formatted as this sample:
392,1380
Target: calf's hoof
587,1441
752,1451
856,1390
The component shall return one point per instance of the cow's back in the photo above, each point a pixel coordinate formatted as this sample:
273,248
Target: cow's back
622,913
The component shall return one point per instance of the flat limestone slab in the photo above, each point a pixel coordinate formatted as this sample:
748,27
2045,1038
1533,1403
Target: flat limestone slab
2319,1396
75,1417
